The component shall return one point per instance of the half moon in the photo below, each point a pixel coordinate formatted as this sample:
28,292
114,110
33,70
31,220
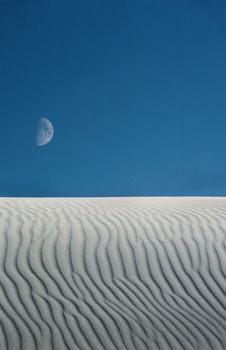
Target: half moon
45,132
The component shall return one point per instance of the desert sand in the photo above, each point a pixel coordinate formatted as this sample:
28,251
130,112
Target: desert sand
132,273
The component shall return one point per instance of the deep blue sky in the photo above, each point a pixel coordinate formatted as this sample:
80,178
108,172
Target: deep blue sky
135,89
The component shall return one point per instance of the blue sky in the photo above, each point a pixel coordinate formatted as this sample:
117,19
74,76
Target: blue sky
135,89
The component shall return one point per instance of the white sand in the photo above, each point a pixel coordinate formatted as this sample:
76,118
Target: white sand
113,273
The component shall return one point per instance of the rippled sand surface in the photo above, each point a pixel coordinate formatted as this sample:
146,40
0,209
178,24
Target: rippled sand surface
113,273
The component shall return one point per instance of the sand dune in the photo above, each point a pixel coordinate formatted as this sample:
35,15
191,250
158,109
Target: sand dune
113,273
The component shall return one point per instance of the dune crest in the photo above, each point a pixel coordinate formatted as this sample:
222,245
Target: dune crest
130,273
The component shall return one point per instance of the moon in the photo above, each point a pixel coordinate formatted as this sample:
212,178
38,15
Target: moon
45,132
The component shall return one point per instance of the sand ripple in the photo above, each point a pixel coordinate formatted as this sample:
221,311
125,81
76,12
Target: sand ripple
113,273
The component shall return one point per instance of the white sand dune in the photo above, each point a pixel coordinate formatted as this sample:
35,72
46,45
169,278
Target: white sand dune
113,273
